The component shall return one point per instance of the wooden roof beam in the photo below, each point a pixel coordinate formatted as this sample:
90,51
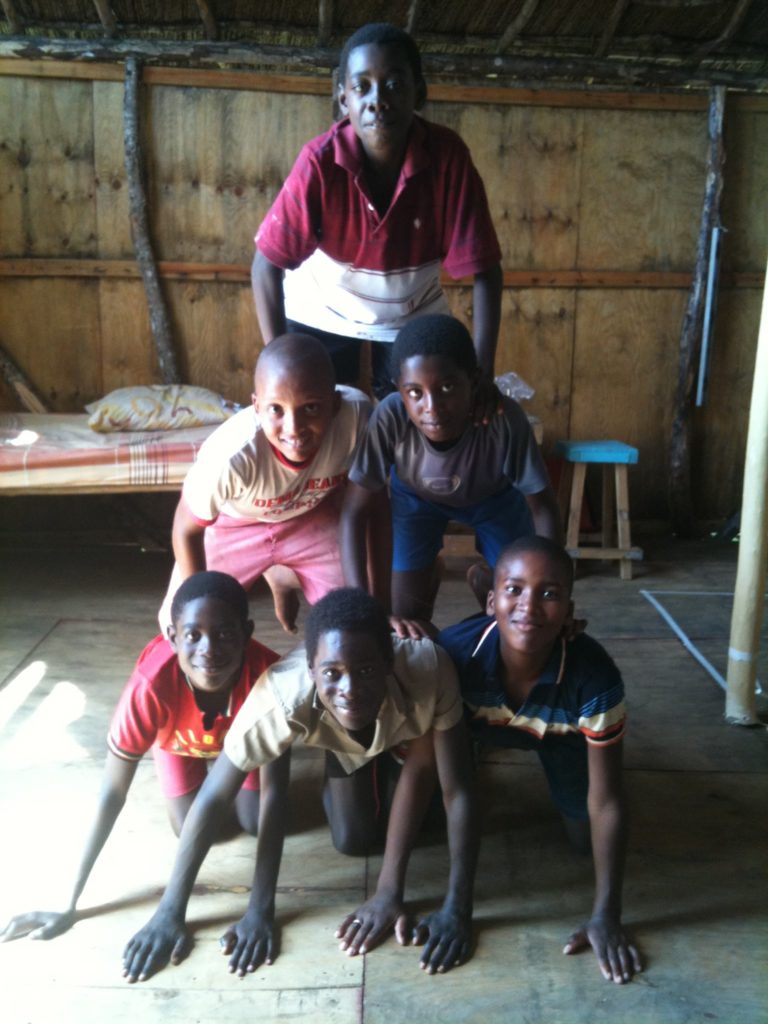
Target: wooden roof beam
208,19
728,32
324,22
513,31
611,26
106,17
413,13
11,16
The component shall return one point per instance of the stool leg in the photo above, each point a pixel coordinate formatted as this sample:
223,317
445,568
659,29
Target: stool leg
564,491
608,512
622,519
574,513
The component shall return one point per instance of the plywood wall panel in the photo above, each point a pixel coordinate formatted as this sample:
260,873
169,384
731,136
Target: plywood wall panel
111,185
217,158
719,440
47,205
50,328
642,188
530,161
221,340
128,352
624,375
745,196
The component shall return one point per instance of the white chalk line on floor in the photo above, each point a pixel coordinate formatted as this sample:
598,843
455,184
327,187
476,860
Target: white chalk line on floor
683,637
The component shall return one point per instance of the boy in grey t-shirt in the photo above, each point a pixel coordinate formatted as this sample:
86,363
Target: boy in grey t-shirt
440,467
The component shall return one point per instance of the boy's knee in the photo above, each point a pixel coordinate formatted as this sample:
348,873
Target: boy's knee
353,842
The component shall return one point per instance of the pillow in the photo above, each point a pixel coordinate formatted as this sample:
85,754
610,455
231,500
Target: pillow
158,407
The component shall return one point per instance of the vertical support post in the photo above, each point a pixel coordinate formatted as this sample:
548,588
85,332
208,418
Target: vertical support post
137,198
748,598
681,505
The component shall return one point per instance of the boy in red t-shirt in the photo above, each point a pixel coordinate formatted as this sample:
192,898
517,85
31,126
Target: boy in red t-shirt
180,702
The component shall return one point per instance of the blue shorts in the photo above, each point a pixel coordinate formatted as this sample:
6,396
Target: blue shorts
418,525
565,763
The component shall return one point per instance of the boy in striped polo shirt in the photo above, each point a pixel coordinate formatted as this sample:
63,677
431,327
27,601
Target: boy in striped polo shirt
525,684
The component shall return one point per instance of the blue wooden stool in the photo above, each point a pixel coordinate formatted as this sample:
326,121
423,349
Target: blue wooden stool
612,455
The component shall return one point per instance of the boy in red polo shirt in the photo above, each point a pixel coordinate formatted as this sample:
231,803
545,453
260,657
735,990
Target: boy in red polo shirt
353,245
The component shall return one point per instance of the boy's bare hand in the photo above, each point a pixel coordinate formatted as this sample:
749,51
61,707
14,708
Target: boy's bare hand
164,937
249,943
487,401
446,937
412,629
38,924
361,931
617,957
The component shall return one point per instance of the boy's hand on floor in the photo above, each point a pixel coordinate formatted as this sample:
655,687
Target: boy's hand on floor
446,937
38,924
617,957
361,931
249,943
164,937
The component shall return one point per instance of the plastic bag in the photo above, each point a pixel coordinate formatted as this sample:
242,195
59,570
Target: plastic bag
512,386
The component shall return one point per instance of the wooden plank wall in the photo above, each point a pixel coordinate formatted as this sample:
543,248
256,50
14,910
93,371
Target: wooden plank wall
596,201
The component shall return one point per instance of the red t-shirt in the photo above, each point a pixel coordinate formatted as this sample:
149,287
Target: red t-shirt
158,705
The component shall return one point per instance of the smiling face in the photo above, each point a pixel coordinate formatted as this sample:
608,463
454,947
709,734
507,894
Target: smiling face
209,638
437,395
295,405
349,671
531,601
379,94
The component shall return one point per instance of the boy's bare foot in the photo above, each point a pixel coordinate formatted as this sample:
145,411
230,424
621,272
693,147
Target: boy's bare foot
285,594
480,580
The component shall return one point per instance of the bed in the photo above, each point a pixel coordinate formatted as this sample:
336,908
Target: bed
58,453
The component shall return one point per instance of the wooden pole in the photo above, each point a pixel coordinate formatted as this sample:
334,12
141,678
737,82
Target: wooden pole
681,507
748,598
16,379
145,257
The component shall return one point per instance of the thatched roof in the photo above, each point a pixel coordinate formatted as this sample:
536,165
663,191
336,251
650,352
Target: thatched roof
672,43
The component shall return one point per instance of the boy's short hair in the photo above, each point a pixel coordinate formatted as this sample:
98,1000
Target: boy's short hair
381,33
295,350
434,335
542,545
351,610
211,584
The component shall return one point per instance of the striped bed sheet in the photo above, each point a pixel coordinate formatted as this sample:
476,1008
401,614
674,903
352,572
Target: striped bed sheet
55,453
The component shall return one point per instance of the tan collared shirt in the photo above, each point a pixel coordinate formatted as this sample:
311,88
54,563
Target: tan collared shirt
422,694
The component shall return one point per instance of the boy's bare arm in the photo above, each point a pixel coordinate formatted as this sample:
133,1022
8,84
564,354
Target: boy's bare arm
164,937
617,957
356,512
546,514
363,929
486,317
117,779
447,931
187,538
251,942
267,284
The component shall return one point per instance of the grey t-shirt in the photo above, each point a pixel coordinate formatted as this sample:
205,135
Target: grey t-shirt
484,461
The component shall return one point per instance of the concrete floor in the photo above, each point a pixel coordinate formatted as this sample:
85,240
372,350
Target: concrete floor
72,624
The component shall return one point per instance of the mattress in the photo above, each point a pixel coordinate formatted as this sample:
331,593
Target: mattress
54,453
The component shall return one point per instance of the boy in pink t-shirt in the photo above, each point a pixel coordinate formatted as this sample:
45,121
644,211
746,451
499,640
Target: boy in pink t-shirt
266,487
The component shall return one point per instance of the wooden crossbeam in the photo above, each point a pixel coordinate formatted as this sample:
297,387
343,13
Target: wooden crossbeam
11,16
611,27
208,19
106,17
513,30
324,22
